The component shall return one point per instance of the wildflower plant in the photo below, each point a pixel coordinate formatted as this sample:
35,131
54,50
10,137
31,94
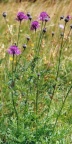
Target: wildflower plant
37,82
13,50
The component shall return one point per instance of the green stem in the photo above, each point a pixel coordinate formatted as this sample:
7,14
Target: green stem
18,33
17,62
37,95
18,39
38,46
5,20
37,92
15,109
13,84
17,45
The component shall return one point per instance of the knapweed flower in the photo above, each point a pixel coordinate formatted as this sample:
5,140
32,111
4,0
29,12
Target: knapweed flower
44,16
68,17
13,50
34,25
21,16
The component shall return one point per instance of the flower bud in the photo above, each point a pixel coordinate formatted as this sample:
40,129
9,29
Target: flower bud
30,17
46,19
61,17
4,14
28,14
24,46
62,34
71,26
52,34
38,75
28,38
66,19
44,30
15,43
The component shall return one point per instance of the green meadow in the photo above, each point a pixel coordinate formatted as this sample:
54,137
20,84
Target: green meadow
36,72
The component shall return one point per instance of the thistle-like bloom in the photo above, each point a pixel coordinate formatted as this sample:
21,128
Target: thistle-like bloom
68,17
13,50
21,16
34,25
43,16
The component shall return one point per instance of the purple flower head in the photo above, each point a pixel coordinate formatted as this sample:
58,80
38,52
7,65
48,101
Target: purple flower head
43,16
68,17
13,50
34,25
21,16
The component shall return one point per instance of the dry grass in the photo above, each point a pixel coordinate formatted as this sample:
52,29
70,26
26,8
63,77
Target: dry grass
54,9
